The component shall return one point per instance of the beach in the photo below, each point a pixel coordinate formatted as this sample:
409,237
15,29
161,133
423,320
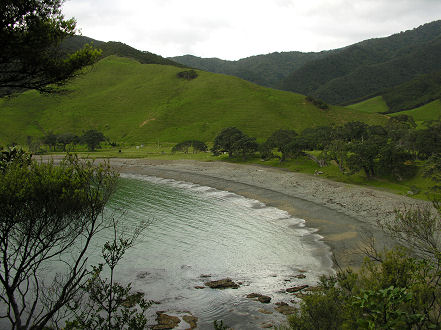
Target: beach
344,215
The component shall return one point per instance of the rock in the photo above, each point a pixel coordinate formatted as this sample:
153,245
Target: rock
260,297
300,276
266,325
281,303
191,320
285,309
165,321
199,287
222,284
204,275
264,311
142,275
264,299
296,288
253,295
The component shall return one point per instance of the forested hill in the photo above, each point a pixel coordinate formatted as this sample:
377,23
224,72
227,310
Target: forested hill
118,49
266,70
370,67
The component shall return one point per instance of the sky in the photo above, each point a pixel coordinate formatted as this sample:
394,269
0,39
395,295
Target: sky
234,29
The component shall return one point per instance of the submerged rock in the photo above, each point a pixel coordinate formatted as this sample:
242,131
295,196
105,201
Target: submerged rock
222,284
165,321
285,309
264,311
264,299
191,320
300,276
296,288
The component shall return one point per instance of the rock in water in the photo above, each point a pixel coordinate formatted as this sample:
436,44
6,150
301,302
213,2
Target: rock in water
264,299
285,309
296,288
191,320
222,284
165,321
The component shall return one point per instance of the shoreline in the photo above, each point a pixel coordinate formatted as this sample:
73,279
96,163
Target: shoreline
344,215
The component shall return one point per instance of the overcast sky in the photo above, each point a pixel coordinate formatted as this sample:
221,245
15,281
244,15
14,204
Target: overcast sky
233,29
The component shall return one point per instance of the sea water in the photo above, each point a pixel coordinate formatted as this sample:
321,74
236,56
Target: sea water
196,230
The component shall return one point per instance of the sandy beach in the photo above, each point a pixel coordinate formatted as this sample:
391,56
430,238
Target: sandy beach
343,214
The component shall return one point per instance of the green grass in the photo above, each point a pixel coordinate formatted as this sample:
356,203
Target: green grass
138,103
372,105
427,112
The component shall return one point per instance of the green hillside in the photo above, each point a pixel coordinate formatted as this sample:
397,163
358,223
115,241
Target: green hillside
139,103
425,113
372,105
370,67
120,49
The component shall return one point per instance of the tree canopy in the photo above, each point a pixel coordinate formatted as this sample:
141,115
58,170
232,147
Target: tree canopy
31,56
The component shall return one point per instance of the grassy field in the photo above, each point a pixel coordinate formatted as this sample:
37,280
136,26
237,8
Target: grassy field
427,112
372,105
137,103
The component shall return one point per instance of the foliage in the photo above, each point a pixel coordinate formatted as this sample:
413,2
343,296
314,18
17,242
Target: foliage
194,144
108,304
281,140
188,75
393,291
30,36
225,141
318,103
245,146
49,216
414,93
92,138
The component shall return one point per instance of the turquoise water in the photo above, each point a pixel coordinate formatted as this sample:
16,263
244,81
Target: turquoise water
197,230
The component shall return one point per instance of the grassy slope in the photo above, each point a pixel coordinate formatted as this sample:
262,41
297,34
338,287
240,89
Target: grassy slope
427,112
139,103
372,105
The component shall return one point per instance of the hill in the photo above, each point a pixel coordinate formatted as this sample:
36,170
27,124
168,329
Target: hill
120,49
414,93
266,70
367,68
139,103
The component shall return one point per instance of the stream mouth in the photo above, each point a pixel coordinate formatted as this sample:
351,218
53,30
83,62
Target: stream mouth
197,234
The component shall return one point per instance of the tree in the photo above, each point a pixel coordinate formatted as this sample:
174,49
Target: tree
92,138
225,140
280,139
49,214
51,140
31,57
67,138
184,146
364,154
245,146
